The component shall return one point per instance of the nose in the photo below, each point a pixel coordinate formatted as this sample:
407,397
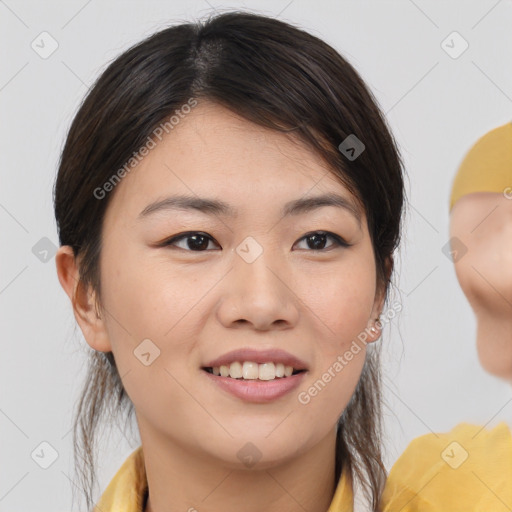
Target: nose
259,295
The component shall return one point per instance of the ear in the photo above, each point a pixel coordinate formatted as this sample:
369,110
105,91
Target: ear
83,301
374,325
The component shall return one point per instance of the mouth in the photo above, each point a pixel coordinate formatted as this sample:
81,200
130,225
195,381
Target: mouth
249,364
253,382
253,371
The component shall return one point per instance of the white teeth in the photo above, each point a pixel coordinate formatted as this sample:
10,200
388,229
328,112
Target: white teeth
251,371
235,370
267,371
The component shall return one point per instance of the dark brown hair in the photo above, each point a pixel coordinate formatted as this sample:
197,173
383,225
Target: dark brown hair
270,73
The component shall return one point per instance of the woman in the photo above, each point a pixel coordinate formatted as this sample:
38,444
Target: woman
244,357
470,467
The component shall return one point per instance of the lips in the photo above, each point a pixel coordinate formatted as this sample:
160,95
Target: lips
258,356
257,391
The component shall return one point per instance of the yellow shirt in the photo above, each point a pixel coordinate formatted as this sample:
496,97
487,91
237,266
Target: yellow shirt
126,492
468,469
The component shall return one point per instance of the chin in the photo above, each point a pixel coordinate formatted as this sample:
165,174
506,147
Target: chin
499,367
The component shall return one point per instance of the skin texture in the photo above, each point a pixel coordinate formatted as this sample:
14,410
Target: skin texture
197,305
483,223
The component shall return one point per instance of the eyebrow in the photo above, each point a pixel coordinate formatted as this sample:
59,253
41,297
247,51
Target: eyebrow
217,207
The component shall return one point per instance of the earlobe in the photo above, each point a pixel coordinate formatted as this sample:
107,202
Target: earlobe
374,324
83,301
374,329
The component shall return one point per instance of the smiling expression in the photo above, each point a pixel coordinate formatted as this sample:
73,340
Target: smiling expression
232,236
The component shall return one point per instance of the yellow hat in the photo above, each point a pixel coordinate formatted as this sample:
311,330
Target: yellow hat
487,166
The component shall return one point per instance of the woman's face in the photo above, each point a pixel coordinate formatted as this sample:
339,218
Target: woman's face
250,278
482,222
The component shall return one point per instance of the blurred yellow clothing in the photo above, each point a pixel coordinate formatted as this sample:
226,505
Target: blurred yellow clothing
468,469
126,492
487,166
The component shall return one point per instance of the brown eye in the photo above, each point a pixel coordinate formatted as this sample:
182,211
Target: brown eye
317,240
195,241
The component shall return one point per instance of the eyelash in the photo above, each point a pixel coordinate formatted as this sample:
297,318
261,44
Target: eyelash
337,239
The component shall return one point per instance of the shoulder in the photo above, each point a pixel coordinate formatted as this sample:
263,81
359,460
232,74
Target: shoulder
468,468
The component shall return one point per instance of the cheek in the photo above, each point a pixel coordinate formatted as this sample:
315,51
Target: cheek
485,273
484,268
341,300
153,329
338,368
146,301
150,298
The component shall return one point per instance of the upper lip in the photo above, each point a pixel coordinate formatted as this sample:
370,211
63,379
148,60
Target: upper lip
258,356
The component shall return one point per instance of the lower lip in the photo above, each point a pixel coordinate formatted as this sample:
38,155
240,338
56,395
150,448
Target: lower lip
258,391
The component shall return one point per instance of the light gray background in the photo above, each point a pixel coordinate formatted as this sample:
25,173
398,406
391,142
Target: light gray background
437,107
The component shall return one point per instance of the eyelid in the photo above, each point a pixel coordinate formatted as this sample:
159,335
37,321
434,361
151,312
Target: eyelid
177,238
339,241
336,237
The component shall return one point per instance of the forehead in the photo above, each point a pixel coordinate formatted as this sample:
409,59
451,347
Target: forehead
214,152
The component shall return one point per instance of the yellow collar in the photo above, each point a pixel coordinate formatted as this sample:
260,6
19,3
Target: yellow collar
126,491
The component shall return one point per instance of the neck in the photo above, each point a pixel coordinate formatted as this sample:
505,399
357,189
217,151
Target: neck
190,480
